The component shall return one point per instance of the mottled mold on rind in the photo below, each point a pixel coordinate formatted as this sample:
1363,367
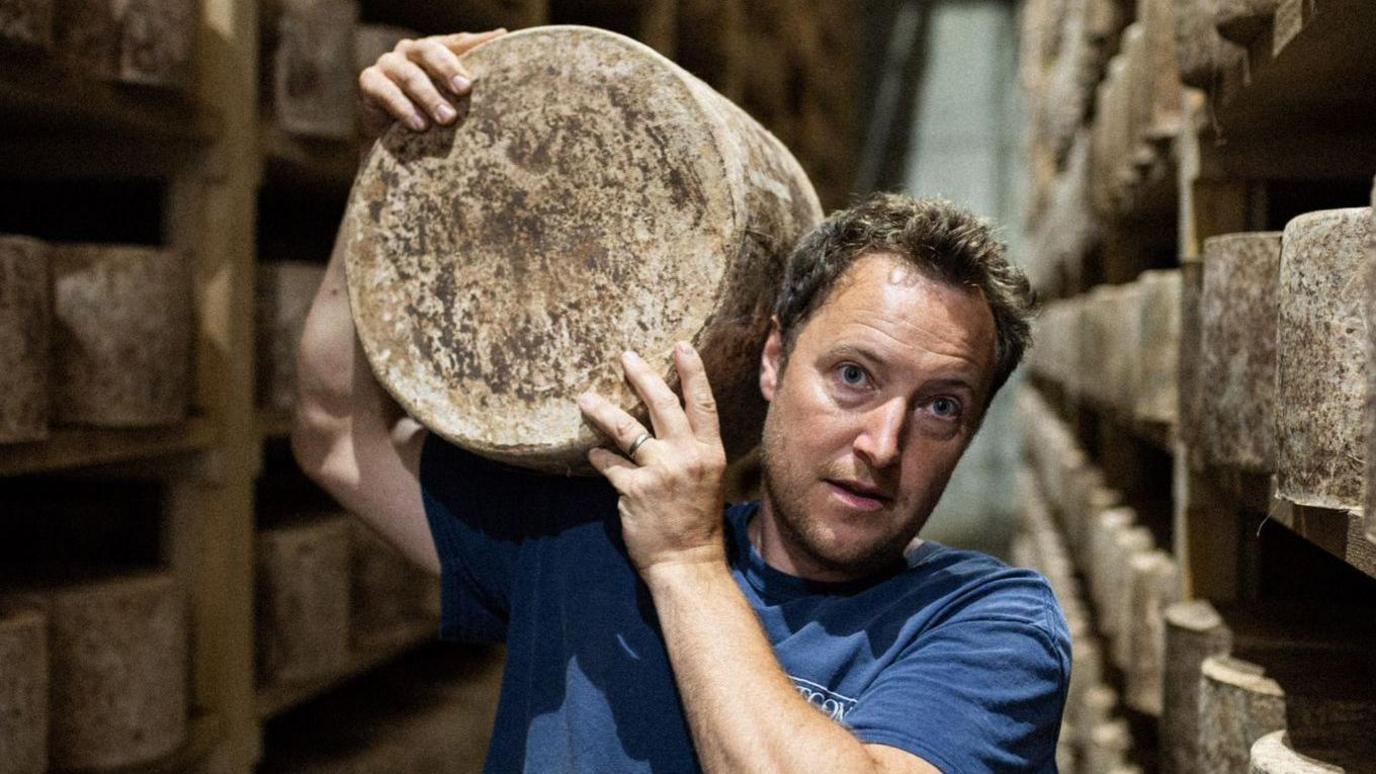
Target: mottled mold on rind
122,335
25,339
23,690
1239,308
619,204
1321,380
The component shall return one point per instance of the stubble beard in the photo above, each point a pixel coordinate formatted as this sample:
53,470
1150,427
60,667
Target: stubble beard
785,500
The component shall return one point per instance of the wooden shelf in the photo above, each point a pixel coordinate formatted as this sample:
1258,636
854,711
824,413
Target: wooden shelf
273,700
1288,103
68,448
40,98
1340,533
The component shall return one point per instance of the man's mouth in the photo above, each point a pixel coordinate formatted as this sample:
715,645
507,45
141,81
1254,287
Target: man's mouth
859,495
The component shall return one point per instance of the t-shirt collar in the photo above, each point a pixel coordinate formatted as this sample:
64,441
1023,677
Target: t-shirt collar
778,585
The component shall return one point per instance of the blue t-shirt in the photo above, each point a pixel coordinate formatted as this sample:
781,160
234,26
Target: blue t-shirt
956,658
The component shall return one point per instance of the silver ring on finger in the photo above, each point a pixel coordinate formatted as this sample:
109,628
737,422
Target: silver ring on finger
636,444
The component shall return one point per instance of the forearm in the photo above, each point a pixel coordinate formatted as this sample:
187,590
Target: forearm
742,709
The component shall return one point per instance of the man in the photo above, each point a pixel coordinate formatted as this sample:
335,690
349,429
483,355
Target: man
645,631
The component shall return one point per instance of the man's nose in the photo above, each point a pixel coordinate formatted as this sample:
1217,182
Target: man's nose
881,436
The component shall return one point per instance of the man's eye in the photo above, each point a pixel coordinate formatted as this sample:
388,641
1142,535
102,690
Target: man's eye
946,408
852,375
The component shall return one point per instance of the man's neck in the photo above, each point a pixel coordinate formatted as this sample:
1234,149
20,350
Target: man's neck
780,554
768,538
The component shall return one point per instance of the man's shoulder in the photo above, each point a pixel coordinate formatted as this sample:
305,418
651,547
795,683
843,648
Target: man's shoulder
972,585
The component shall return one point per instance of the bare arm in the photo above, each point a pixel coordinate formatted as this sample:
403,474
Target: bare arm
348,435
671,519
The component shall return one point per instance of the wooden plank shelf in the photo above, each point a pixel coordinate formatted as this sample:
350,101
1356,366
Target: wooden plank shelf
1340,533
68,448
39,97
276,699
1290,98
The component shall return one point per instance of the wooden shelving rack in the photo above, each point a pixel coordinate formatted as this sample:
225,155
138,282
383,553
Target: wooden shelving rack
1282,130
216,153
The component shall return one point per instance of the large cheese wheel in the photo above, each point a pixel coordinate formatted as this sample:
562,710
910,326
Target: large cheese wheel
302,596
1238,705
1238,309
314,71
119,668
147,42
595,198
25,335
1153,585
1108,746
1321,354
123,335
1194,631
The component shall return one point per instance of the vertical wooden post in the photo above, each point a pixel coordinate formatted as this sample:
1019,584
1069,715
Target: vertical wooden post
1207,531
213,219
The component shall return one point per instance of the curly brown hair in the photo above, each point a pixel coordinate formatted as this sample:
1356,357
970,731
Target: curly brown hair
945,242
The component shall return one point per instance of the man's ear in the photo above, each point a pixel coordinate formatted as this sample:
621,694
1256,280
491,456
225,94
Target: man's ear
771,360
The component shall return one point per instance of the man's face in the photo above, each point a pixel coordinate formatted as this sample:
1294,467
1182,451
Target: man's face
880,395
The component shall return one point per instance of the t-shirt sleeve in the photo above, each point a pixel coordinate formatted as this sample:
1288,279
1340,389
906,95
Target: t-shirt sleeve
481,514
982,691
